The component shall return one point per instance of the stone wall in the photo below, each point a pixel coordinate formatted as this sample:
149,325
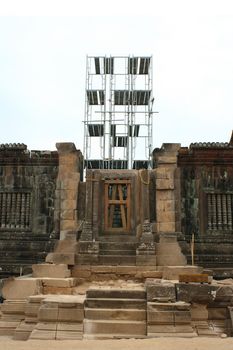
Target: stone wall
27,191
206,171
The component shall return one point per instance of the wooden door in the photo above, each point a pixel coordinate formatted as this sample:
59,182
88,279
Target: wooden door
117,206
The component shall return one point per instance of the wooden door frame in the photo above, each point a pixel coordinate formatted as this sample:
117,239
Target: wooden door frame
126,219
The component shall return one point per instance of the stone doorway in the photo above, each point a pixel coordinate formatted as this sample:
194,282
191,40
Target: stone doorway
117,206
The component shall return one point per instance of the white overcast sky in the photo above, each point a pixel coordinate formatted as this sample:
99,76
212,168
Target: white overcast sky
43,48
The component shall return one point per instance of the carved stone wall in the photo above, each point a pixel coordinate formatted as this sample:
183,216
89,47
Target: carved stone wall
27,191
207,201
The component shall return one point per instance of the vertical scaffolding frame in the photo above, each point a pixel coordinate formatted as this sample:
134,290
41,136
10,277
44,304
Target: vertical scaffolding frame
118,112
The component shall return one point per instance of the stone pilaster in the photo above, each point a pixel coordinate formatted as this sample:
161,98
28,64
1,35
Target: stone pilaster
166,187
146,247
67,189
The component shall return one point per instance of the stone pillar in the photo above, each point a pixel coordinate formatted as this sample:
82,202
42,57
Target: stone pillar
67,189
144,183
166,164
168,206
88,246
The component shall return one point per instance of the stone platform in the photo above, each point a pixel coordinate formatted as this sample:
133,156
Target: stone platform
107,302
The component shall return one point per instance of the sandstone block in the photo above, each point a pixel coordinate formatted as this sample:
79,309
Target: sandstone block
165,216
160,317
70,315
43,335
59,282
31,309
146,260
164,195
166,226
61,258
218,313
182,317
195,292
165,205
68,214
165,184
58,290
114,327
50,270
160,291
199,312
171,260
68,195
69,184
48,314
173,272
69,335
20,288
9,307
68,225
70,326
115,314
80,272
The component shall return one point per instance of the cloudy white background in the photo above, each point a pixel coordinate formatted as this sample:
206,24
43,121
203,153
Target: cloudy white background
43,48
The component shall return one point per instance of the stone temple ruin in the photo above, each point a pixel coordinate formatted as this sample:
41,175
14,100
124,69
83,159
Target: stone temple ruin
108,246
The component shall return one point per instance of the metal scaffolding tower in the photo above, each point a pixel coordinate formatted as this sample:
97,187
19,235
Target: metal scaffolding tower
118,112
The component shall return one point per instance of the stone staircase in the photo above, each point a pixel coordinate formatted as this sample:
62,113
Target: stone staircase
115,313
118,249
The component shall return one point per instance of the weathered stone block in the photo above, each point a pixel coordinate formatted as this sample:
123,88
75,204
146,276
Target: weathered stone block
59,258
165,216
173,272
146,260
68,204
195,292
166,226
218,313
182,317
160,317
164,195
58,290
165,184
159,291
113,327
50,270
20,288
165,205
68,214
70,315
59,282
68,225
46,313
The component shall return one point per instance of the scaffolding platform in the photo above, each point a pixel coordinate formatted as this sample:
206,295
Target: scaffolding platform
118,112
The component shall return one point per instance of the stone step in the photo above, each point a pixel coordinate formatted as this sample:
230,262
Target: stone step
110,303
118,238
119,327
104,336
118,252
115,314
117,246
116,293
117,260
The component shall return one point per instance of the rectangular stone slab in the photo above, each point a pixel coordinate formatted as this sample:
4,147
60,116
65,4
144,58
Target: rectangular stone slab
50,270
20,288
194,277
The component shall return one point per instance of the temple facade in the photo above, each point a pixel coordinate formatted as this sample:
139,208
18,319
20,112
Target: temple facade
48,208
